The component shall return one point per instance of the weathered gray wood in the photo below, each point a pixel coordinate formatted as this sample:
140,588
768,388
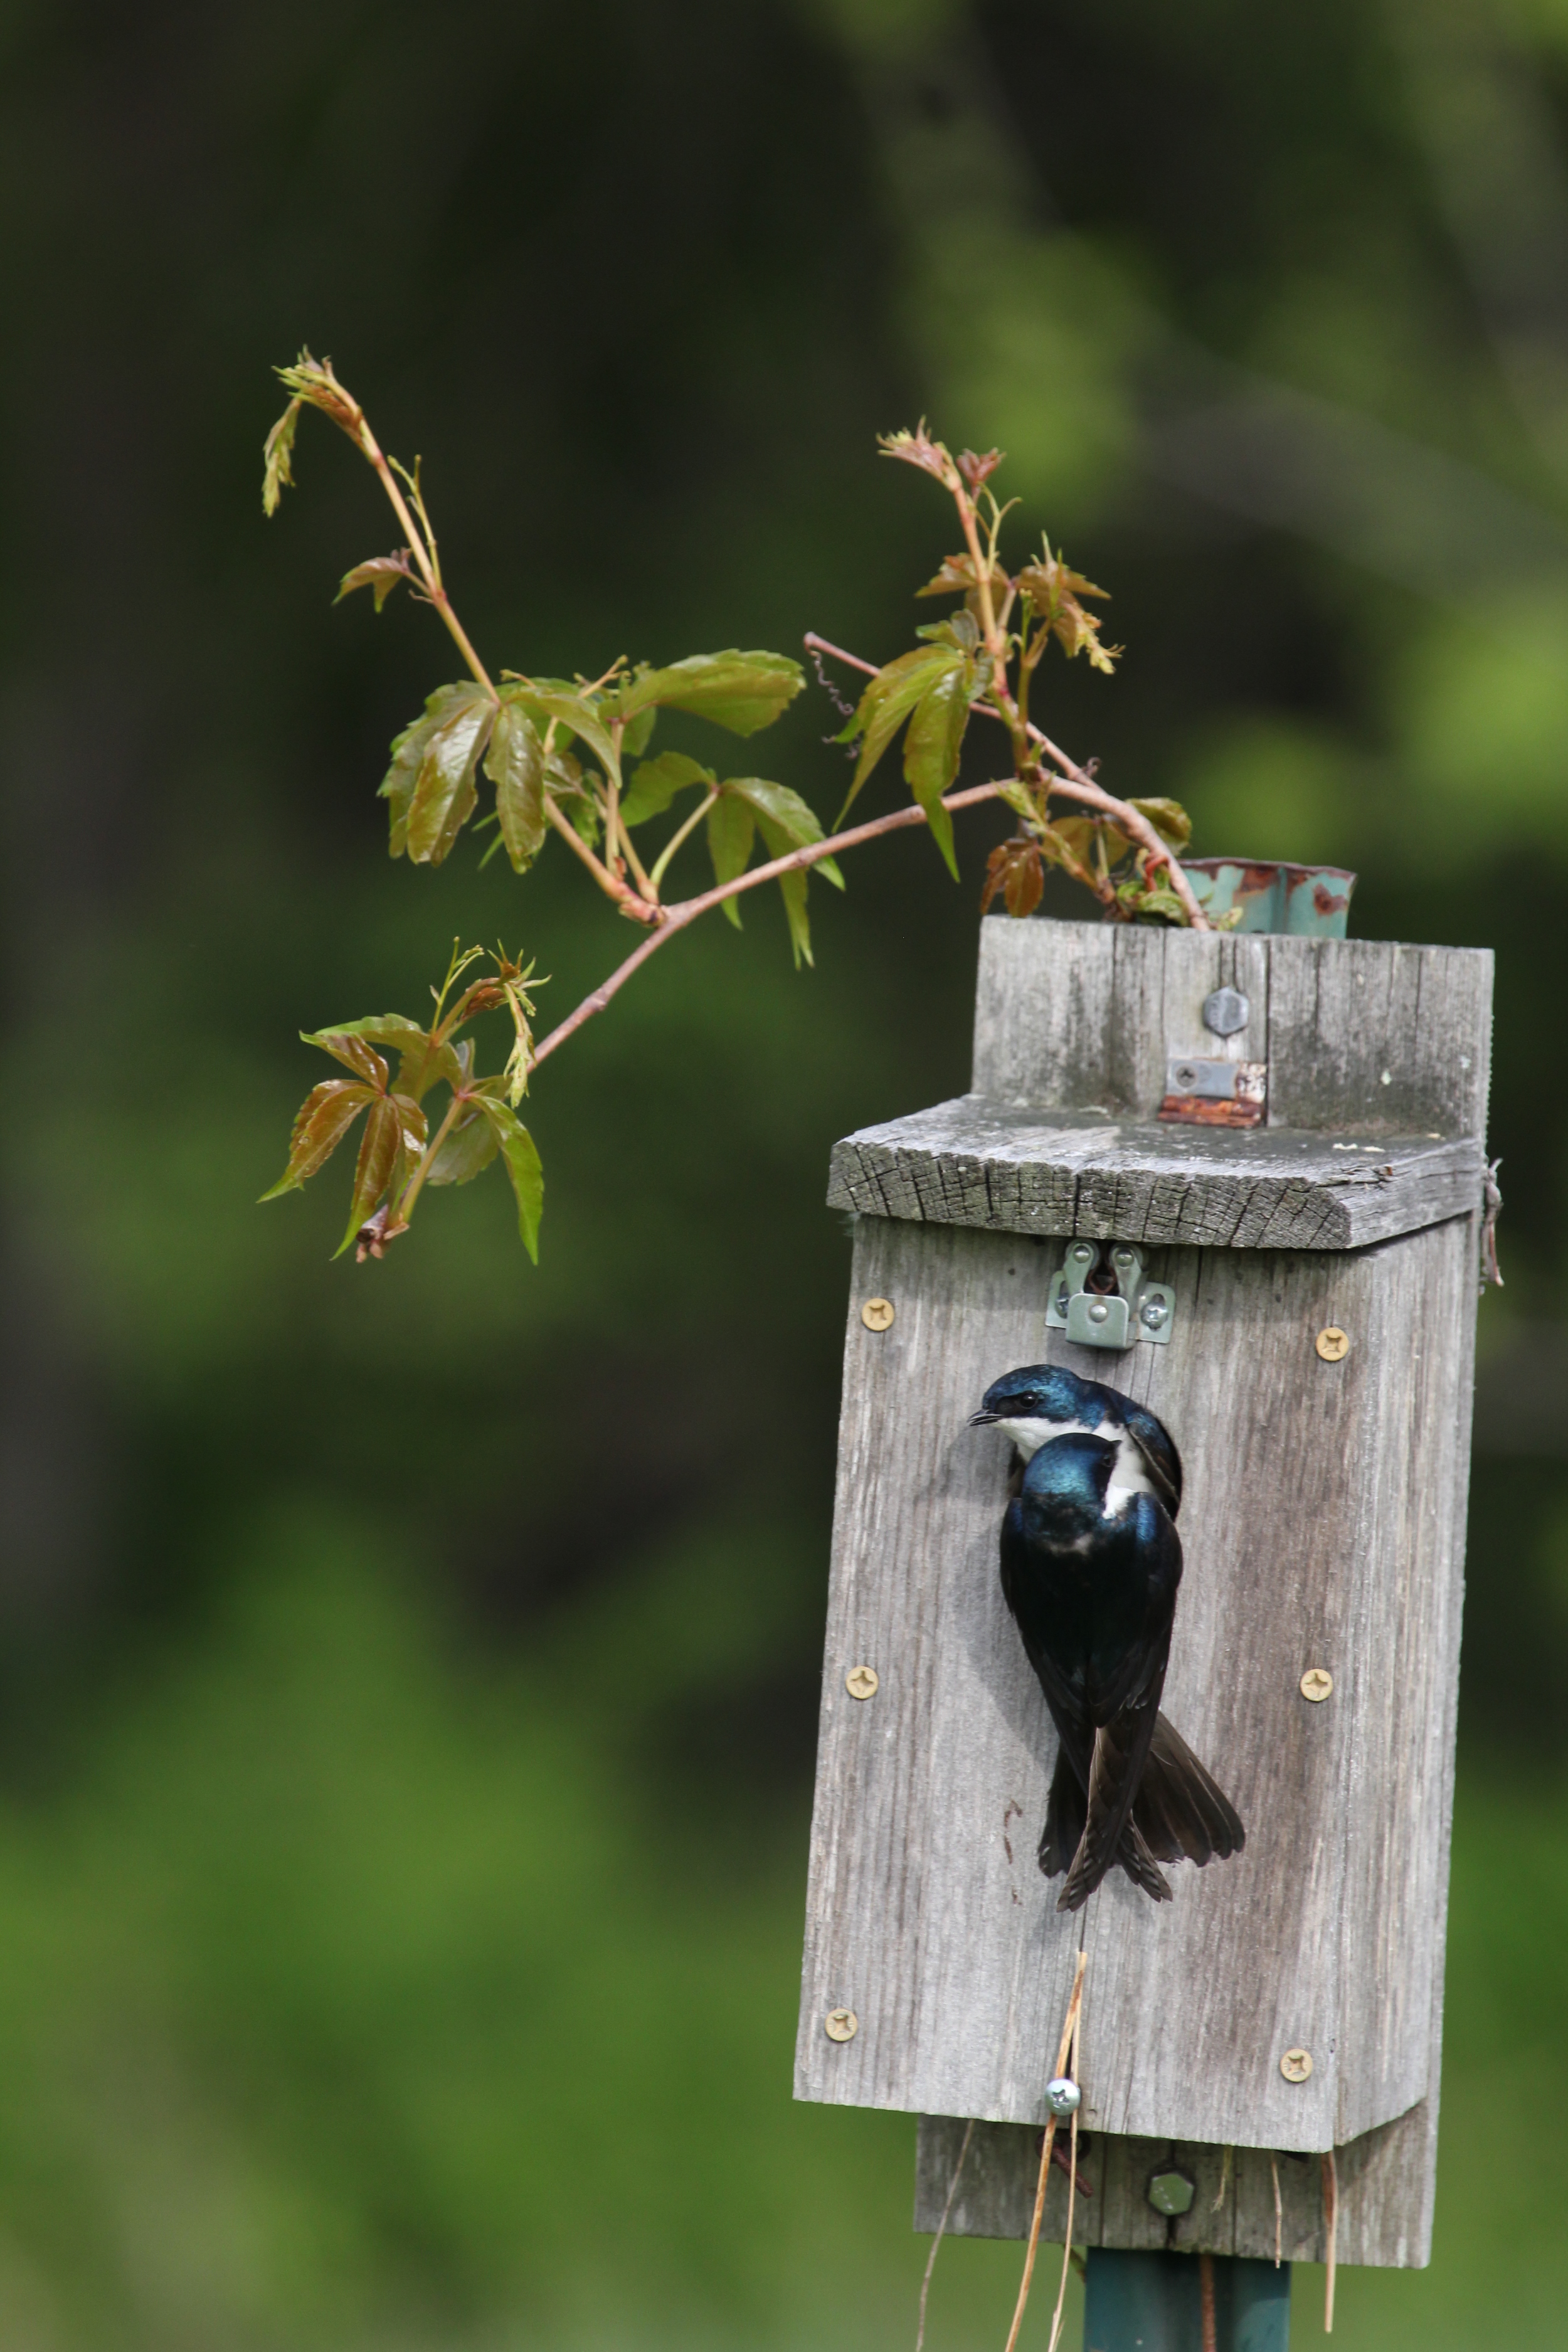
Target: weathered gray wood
1385,2215
1080,1015
1322,1527
975,1161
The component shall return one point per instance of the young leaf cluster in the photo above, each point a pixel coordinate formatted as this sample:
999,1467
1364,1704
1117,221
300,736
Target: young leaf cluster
399,1154
572,756
984,656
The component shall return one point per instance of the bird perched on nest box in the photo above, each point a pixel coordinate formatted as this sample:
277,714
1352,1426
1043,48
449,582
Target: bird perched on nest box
1090,1565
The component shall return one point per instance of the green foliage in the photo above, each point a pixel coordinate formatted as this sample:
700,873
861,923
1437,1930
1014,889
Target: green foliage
743,692
397,1158
554,750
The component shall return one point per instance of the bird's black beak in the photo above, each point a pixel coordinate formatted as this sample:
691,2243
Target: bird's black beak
983,1420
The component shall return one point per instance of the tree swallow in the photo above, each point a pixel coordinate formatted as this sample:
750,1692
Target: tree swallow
1090,1565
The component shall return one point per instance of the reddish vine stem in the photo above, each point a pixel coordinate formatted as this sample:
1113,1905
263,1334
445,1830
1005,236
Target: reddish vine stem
674,919
1076,783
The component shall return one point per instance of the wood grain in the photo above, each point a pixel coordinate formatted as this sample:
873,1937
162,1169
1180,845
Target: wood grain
1384,2193
1083,1015
1321,1528
974,1161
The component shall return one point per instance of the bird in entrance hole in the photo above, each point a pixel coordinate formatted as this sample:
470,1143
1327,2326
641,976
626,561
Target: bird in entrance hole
1090,1565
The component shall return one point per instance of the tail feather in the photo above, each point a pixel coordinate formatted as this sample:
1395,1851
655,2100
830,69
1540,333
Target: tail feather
1066,1813
1183,1812
1116,1770
1179,1814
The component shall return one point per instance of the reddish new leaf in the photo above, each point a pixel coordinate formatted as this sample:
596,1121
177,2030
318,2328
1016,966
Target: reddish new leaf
1014,869
378,1153
352,1049
381,574
325,1117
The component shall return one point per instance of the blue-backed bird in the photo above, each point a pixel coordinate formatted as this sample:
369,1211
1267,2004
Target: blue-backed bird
1091,1566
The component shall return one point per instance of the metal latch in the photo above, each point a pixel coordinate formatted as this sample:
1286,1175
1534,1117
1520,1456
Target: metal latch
1121,1308
1203,1092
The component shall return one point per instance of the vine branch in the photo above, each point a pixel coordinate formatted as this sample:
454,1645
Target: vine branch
1073,781
671,920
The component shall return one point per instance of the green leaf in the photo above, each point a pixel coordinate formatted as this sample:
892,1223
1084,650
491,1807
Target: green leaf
578,717
791,889
655,784
1169,819
638,733
381,574
408,752
445,795
888,702
514,762
522,1165
741,691
278,458
786,822
469,1150
932,749
325,1117
731,828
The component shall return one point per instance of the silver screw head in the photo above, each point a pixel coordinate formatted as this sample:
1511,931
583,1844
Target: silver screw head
1152,1312
1185,1075
1225,1012
1098,1311
1063,2095
1082,1252
1172,2192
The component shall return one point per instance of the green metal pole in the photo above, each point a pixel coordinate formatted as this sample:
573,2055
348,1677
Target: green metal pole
1153,2302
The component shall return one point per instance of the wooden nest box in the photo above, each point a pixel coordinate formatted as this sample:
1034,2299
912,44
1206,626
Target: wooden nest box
1318,1173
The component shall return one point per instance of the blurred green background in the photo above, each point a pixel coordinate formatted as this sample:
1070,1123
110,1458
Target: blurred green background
409,1673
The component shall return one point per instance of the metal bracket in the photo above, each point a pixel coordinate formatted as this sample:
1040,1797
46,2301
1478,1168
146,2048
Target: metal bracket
1135,1309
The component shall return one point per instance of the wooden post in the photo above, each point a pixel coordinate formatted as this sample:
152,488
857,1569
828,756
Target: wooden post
1323,1529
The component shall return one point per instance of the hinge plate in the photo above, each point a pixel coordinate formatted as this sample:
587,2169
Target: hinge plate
1133,1309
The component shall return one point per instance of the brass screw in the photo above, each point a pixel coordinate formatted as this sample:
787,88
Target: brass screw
1295,2065
861,1682
1331,1343
877,1314
843,2025
1317,1684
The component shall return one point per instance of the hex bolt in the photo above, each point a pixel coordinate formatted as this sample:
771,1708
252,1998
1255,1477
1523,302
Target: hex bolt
1172,2192
1063,2095
1225,1012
